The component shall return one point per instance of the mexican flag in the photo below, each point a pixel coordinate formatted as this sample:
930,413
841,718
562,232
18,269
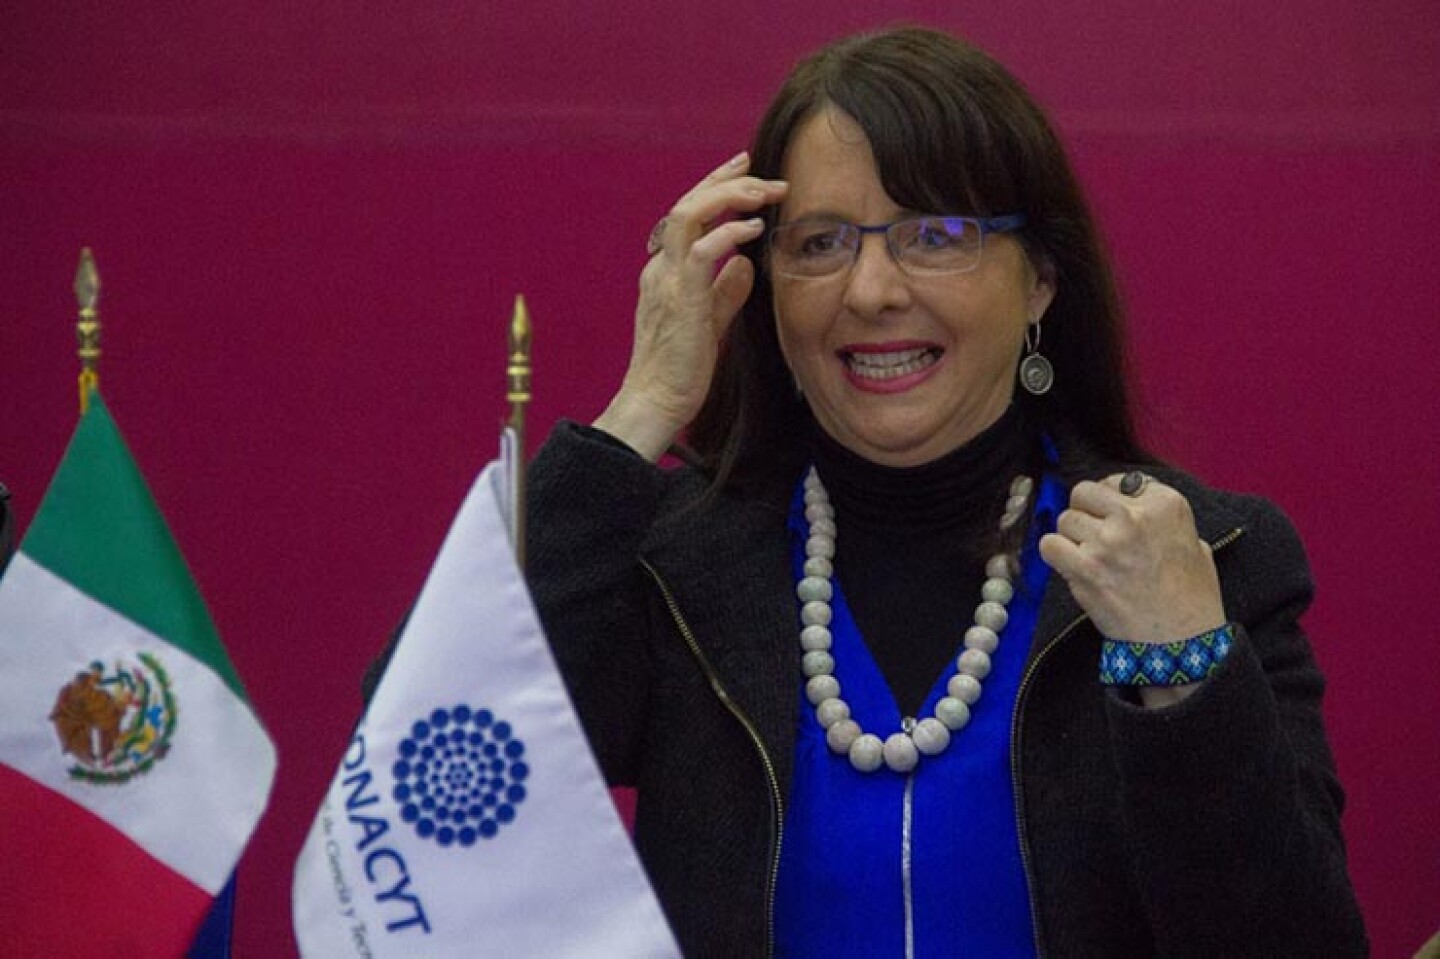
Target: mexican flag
132,769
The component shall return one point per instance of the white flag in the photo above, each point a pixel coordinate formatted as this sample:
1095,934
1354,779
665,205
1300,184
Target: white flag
468,816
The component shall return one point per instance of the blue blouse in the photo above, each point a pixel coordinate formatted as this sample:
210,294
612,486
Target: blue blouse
842,885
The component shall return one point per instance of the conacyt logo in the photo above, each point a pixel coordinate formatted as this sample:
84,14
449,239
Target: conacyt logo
460,776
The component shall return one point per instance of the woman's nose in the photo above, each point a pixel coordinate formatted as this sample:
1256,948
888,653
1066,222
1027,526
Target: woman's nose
876,282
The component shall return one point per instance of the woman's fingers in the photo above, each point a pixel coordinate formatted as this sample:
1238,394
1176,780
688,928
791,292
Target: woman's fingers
731,168
1061,554
1134,560
693,220
719,243
690,291
674,281
724,193
1078,526
731,288
1103,497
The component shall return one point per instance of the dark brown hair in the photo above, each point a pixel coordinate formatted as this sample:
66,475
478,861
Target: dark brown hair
952,132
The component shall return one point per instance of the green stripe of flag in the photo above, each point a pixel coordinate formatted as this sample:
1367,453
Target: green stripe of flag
99,528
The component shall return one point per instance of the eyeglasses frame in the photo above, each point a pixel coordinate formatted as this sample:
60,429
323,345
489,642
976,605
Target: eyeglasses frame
1005,223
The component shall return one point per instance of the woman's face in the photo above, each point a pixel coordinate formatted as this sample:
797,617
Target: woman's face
901,369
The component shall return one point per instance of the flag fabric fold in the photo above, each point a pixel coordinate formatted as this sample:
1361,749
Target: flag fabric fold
467,816
133,770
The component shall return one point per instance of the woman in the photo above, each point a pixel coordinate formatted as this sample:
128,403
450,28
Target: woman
765,641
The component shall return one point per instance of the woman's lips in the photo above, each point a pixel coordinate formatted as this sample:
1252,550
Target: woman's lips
889,367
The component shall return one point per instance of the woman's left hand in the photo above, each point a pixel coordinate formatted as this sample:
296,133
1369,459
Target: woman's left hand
1135,562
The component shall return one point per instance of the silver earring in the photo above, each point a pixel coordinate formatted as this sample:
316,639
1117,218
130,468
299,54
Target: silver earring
1036,373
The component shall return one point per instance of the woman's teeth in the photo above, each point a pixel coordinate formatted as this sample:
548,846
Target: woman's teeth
887,366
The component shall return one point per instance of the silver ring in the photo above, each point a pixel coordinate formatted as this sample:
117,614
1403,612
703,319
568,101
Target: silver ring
1133,483
656,241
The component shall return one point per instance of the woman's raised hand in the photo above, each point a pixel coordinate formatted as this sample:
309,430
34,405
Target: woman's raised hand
686,305
1134,561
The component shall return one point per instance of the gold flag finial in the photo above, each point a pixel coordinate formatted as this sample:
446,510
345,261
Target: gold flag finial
87,328
517,373
517,392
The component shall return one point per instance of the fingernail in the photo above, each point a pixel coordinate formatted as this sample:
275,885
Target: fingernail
739,158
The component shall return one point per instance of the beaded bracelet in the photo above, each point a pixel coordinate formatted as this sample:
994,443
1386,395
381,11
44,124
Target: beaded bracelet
1164,664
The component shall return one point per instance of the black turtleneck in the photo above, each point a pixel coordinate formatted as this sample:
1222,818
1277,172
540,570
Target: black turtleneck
912,542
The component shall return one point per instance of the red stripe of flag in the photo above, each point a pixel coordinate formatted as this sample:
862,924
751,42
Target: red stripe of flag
72,885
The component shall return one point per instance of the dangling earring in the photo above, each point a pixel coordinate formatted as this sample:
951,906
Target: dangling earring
1036,373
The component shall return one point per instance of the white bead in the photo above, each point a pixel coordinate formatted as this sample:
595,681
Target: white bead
816,497
900,753
814,637
812,480
964,688
815,614
867,752
995,590
1016,504
999,567
820,688
817,663
930,735
823,527
831,711
974,662
1022,486
981,638
841,735
987,614
814,589
819,511
1008,520
820,546
952,712
819,566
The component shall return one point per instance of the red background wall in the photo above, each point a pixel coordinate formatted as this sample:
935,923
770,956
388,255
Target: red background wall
311,220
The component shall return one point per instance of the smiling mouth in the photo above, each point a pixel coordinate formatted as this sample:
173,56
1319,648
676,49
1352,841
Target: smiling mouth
890,365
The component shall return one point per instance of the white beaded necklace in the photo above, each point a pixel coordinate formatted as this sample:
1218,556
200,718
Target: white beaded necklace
930,736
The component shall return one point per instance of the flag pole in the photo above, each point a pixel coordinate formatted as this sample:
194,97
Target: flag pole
517,392
87,328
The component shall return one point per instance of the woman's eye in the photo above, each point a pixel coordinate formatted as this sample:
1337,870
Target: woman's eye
935,235
821,243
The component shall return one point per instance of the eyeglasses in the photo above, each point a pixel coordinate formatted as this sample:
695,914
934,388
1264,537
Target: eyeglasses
922,245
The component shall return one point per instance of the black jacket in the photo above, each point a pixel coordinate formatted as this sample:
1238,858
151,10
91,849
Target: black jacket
1207,829
7,529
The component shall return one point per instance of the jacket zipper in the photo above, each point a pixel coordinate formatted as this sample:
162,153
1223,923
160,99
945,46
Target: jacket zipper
776,802
906,837
1015,737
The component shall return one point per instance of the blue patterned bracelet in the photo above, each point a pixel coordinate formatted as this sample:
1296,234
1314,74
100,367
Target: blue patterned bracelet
1164,664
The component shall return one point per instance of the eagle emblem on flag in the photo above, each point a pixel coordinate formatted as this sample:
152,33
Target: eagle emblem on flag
115,724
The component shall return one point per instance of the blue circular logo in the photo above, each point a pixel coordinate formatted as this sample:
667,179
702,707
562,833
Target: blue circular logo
460,776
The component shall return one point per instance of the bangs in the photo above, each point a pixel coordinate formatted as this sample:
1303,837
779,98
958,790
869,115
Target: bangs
928,116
